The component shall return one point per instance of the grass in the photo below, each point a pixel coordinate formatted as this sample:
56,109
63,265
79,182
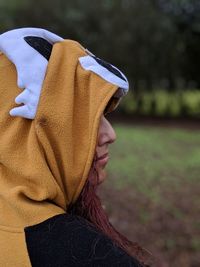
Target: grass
152,190
147,155
149,158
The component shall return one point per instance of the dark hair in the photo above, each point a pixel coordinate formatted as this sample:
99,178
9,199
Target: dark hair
89,206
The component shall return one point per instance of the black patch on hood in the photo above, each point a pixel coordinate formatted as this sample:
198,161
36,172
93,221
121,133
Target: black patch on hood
109,67
40,44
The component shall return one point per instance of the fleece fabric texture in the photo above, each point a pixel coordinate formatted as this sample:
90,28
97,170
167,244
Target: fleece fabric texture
45,162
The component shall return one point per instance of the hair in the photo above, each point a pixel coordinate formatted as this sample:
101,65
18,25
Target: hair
89,206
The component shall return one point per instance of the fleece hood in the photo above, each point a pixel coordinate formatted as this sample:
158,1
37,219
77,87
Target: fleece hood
53,93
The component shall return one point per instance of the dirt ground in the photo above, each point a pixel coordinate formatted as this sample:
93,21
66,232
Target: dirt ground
124,209
158,231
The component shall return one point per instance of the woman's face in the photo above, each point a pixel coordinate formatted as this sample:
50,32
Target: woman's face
106,136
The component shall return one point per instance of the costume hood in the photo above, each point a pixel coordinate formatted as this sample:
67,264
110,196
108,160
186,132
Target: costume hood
48,134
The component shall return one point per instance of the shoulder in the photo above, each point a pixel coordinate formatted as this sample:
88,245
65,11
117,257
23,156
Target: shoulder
68,240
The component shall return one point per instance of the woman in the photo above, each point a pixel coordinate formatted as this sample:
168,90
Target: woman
52,142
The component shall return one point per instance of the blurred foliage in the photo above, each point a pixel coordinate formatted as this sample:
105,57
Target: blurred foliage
162,103
156,42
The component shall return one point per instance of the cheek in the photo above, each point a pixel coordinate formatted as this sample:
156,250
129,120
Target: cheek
97,150
101,174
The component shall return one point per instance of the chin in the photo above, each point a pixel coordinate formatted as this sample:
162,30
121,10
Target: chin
102,175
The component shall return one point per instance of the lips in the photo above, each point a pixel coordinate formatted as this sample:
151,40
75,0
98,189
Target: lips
103,159
105,155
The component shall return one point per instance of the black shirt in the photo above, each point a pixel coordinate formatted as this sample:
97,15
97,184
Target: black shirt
71,241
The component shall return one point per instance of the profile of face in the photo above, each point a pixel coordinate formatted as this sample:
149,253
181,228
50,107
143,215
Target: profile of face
106,136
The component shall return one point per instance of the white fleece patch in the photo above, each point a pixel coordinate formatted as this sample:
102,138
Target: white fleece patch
89,63
30,65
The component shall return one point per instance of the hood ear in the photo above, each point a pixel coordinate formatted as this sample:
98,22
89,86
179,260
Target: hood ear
40,44
31,64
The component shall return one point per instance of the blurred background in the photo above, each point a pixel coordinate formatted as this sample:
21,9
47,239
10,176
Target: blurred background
152,190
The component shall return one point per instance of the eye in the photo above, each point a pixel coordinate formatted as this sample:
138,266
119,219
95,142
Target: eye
112,105
108,106
105,114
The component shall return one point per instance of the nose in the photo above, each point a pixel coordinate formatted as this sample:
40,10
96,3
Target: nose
107,134
111,133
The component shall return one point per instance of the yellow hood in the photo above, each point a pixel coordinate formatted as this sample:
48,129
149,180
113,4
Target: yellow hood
45,162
